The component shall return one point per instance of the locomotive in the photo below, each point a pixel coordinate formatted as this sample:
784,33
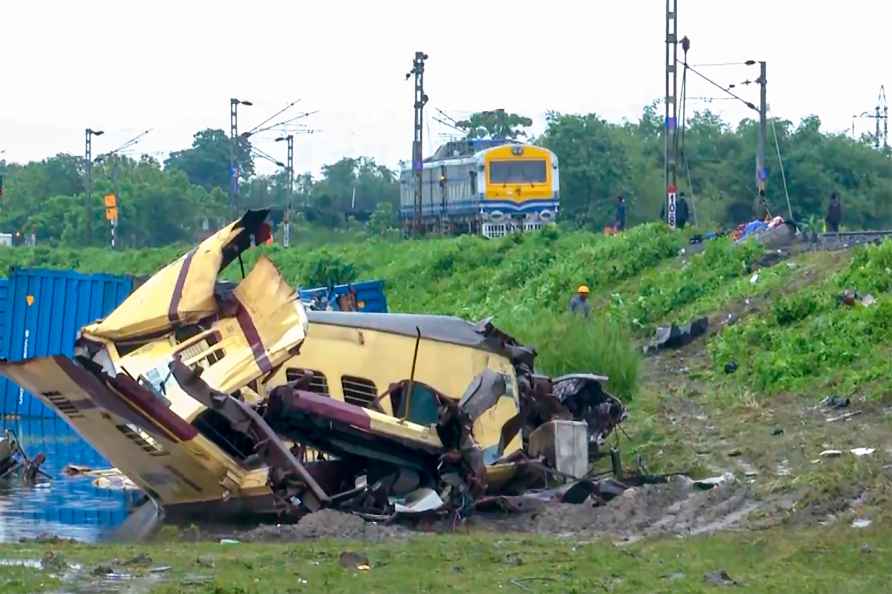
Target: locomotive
486,187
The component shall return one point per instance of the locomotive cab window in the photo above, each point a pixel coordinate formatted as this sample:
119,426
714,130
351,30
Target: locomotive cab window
517,172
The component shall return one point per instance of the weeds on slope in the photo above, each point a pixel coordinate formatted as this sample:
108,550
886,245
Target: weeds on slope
569,344
810,340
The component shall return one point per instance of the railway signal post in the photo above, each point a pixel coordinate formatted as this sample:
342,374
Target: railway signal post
417,161
761,170
89,133
671,120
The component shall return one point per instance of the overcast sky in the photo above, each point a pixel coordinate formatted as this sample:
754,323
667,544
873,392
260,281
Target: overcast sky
124,66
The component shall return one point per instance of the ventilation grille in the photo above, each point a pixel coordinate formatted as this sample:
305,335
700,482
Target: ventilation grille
317,382
358,391
142,439
64,405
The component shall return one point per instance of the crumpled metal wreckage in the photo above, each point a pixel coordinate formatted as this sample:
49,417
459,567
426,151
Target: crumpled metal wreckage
218,398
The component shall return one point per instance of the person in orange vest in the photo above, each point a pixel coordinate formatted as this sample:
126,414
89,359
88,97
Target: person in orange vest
579,304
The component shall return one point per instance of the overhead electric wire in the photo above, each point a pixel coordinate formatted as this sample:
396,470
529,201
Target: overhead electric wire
718,86
275,115
266,156
447,124
716,64
446,115
125,146
300,116
783,175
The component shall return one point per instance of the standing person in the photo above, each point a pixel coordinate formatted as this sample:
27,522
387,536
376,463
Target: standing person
579,303
620,224
681,212
834,213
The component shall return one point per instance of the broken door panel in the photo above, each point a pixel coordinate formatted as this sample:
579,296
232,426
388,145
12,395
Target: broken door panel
182,292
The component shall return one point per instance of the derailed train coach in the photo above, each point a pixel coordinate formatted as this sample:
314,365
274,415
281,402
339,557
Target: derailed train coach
486,187
229,398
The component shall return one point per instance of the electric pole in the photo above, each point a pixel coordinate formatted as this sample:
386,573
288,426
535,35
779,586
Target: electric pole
88,162
671,121
761,170
289,206
417,161
233,145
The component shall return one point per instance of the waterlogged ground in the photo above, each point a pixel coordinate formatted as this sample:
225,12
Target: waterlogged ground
63,506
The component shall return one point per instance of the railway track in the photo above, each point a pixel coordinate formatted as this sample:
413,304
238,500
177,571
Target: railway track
849,238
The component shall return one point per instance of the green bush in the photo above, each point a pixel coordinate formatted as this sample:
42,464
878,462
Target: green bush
789,310
570,344
327,269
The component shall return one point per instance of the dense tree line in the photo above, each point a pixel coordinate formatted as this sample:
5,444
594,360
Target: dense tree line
599,160
182,199
187,194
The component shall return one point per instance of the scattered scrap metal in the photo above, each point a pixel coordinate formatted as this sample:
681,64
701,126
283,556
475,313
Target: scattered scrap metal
15,462
675,336
218,398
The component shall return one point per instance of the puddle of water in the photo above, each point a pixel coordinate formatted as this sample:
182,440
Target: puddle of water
65,507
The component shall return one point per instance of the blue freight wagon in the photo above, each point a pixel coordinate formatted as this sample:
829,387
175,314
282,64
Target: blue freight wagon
42,312
369,296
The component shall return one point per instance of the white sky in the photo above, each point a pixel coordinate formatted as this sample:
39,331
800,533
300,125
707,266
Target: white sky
124,66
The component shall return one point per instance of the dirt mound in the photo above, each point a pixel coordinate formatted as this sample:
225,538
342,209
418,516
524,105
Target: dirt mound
677,507
326,523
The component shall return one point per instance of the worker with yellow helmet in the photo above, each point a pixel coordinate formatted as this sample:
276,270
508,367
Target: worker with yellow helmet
579,303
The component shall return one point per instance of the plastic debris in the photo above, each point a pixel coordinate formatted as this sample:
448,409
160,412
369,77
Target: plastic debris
835,402
674,336
862,451
714,481
754,278
719,578
229,541
830,453
354,561
868,300
861,523
845,417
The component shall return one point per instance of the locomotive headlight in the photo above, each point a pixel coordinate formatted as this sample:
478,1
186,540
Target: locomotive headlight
517,151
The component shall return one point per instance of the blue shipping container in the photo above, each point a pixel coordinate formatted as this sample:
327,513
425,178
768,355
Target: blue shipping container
4,289
44,310
370,296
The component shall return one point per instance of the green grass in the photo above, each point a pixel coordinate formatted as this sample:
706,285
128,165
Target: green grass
807,561
800,341
808,341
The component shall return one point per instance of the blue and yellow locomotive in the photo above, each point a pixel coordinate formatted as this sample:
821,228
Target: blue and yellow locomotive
487,187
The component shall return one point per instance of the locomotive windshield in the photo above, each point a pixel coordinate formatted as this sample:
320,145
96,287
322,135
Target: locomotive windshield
515,172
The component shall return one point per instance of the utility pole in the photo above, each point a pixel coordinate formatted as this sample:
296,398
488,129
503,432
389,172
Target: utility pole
761,170
289,207
233,144
88,162
417,161
671,121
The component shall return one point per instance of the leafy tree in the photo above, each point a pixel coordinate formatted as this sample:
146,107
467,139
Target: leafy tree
383,219
593,165
326,269
495,124
206,162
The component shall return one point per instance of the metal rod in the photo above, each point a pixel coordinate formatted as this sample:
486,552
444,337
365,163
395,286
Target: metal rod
412,375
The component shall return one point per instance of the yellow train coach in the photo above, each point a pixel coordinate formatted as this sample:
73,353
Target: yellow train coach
487,187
